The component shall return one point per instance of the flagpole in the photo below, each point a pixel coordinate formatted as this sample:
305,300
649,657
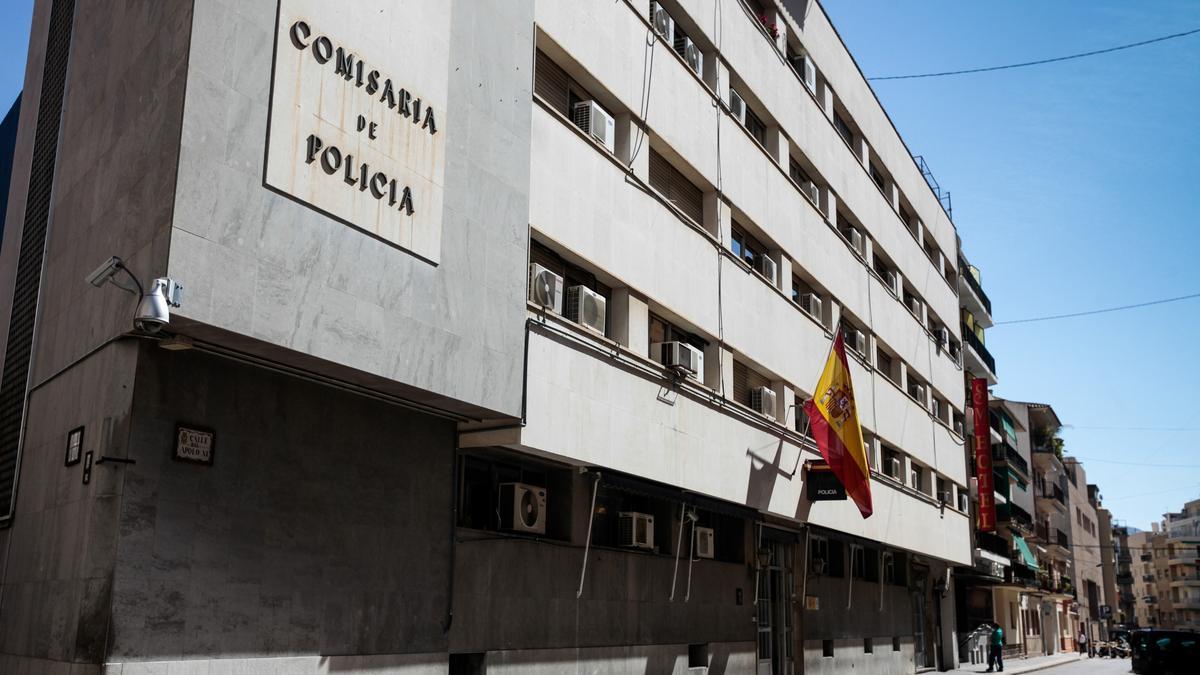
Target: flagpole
807,422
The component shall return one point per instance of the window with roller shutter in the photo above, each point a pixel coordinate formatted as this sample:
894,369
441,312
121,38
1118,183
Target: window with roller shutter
746,379
676,188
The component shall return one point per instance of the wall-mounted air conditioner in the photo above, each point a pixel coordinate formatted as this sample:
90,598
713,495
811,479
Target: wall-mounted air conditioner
963,502
946,497
914,479
811,303
663,24
857,242
737,106
680,357
914,305
589,116
856,340
762,401
704,542
943,336
522,508
635,530
545,288
807,70
917,392
893,282
958,427
891,467
766,267
810,189
690,52
586,308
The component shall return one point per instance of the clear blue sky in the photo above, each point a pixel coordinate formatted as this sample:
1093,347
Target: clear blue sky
1075,186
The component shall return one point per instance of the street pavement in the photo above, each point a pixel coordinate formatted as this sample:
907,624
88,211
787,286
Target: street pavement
1059,664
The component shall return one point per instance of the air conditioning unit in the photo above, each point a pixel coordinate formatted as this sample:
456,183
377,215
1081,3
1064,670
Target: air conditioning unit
593,119
737,106
935,407
635,530
690,52
943,336
762,400
810,189
892,467
704,542
958,427
522,508
963,502
679,356
807,70
766,267
586,308
811,303
918,392
914,304
664,25
545,288
857,341
893,282
946,497
856,241
914,479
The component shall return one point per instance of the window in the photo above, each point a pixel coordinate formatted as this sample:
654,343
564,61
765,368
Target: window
943,491
827,649
556,88
746,380
746,247
867,646
889,568
479,492
877,176
756,127
891,462
676,188
858,562
611,502
843,128
917,478
797,173
818,556
661,330
884,364
916,388
572,275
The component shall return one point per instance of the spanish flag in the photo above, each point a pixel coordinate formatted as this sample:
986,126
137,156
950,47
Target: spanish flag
834,421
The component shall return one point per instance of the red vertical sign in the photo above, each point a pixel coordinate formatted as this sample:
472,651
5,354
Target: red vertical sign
983,456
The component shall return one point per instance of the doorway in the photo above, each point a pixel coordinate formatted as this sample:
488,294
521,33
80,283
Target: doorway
774,604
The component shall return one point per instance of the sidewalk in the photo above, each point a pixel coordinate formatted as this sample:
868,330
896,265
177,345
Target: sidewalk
1018,665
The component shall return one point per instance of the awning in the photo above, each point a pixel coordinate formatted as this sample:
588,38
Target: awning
1026,554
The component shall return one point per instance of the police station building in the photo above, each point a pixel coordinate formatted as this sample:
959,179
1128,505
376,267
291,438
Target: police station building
468,336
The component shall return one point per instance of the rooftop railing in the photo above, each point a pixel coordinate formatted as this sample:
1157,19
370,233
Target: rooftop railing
965,273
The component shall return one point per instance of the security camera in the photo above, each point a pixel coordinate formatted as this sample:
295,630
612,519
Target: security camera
154,309
104,272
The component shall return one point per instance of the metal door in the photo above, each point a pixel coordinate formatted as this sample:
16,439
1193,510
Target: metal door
775,582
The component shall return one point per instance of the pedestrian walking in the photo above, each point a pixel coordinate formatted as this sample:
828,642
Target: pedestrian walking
1082,641
996,650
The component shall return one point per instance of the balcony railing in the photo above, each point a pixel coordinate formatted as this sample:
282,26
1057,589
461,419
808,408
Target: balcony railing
992,543
1002,453
972,339
1054,492
965,273
1061,539
1011,513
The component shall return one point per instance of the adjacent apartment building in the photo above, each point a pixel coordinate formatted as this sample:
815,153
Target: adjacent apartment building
1083,499
496,317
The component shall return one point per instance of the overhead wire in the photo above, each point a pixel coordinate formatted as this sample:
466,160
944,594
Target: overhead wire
1039,62
1090,312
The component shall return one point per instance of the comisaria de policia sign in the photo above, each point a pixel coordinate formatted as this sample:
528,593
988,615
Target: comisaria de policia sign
358,121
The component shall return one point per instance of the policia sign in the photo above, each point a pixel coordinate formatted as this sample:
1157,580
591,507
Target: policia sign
821,484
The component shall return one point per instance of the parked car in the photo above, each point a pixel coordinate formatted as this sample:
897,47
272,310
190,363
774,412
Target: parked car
1165,652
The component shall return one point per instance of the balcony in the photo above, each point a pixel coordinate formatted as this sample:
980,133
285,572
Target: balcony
1061,539
979,350
1055,496
1014,515
992,543
1002,452
1020,575
972,284
1124,579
